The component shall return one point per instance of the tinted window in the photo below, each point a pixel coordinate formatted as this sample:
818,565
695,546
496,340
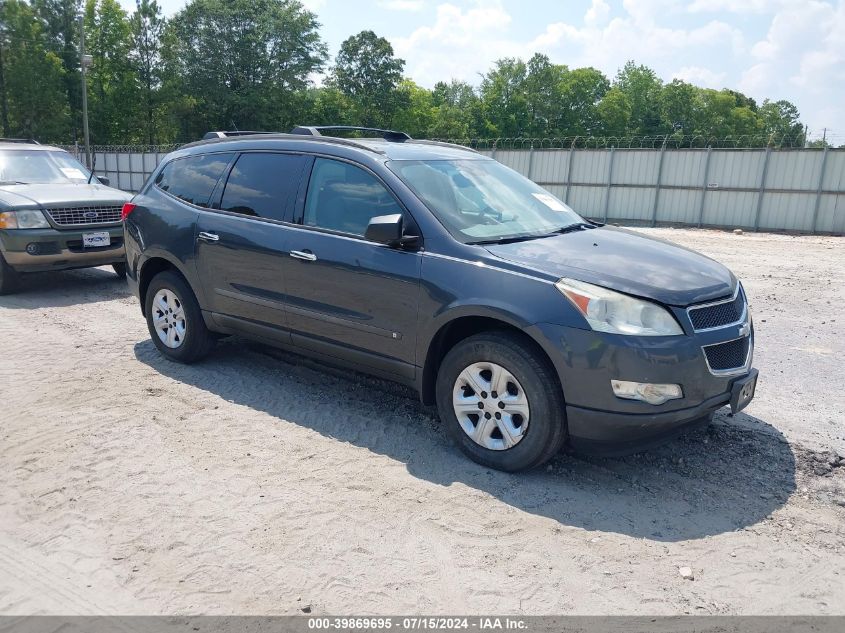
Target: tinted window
193,179
262,184
343,197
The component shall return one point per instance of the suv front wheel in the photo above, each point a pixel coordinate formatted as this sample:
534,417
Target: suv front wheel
500,402
8,278
174,319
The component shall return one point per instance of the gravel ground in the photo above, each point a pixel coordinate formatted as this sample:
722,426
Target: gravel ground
257,482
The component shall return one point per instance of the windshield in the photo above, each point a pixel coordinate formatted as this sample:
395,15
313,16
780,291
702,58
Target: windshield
484,201
25,166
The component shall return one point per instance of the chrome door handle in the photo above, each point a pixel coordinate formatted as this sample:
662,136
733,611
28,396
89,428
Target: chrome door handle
304,255
208,237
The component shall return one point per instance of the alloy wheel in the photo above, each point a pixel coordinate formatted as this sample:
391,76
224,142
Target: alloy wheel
169,318
491,406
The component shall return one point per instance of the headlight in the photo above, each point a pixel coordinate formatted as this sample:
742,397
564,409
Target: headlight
25,219
609,311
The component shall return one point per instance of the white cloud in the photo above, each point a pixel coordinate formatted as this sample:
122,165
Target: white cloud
597,13
800,58
699,76
732,6
402,5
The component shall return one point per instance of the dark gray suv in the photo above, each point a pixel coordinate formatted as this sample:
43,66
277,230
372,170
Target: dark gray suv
431,265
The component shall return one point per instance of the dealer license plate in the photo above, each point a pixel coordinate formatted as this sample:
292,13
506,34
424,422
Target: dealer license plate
96,240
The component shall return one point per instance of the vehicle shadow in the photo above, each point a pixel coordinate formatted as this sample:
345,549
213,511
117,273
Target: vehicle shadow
719,479
62,288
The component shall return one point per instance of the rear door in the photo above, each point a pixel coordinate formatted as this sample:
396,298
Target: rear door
242,241
348,297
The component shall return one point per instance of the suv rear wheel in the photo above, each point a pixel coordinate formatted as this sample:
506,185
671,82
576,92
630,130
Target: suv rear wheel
9,279
500,402
174,319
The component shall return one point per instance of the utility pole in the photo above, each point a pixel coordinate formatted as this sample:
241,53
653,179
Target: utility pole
84,62
4,102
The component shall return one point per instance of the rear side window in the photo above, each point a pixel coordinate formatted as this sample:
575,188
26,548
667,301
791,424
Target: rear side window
263,185
343,197
193,179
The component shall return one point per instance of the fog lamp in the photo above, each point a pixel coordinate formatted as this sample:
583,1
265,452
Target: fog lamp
646,391
32,248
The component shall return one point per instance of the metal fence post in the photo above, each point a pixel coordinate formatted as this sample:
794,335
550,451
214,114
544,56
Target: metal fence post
819,190
569,172
493,153
530,161
657,187
704,185
609,183
762,189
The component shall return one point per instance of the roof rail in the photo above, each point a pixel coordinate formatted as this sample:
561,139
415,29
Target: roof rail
317,130
4,139
227,134
445,144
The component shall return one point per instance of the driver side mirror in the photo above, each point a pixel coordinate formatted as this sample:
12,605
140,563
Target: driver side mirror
387,229
104,180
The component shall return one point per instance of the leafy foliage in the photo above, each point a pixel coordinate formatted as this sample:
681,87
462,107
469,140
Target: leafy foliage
253,64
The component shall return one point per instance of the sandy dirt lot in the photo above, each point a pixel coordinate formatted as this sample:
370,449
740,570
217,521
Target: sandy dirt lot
256,482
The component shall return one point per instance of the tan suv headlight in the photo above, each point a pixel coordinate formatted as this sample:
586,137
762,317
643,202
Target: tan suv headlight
23,219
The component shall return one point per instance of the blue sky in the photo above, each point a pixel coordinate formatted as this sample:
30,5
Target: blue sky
781,49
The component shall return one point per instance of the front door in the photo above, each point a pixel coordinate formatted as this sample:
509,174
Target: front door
348,297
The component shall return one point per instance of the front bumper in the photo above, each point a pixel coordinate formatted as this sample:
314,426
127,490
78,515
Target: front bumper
598,421
58,249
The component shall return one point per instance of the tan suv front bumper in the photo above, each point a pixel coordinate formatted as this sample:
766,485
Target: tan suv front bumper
34,250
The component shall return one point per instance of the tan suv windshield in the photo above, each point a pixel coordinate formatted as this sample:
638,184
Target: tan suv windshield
28,166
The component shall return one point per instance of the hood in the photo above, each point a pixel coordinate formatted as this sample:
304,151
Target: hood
625,261
51,195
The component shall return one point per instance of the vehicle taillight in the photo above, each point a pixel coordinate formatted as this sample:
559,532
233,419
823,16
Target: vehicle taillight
128,208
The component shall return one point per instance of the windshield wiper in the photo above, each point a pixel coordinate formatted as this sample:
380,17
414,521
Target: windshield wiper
578,226
13,182
511,239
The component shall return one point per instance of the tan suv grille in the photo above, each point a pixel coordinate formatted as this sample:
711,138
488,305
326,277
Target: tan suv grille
78,216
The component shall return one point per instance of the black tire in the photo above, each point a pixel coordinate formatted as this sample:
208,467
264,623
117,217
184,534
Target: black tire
120,269
546,431
198,340
9,279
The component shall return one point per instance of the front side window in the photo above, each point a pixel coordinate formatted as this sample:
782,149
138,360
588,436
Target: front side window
263,185
343,197
23,166
482,200
193,179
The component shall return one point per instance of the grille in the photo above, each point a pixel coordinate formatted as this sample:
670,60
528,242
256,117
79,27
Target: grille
719,314
730,355
77,216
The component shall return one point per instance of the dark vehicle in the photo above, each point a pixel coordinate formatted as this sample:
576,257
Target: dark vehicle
431,265
54,214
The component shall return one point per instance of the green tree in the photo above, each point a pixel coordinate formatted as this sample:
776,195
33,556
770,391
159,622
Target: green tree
581,90
457,111
642,87
367,71
614,112
61,27
680,108
504,100
33,102
147,28
782,122
542,88
113,98
416,113
239,63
